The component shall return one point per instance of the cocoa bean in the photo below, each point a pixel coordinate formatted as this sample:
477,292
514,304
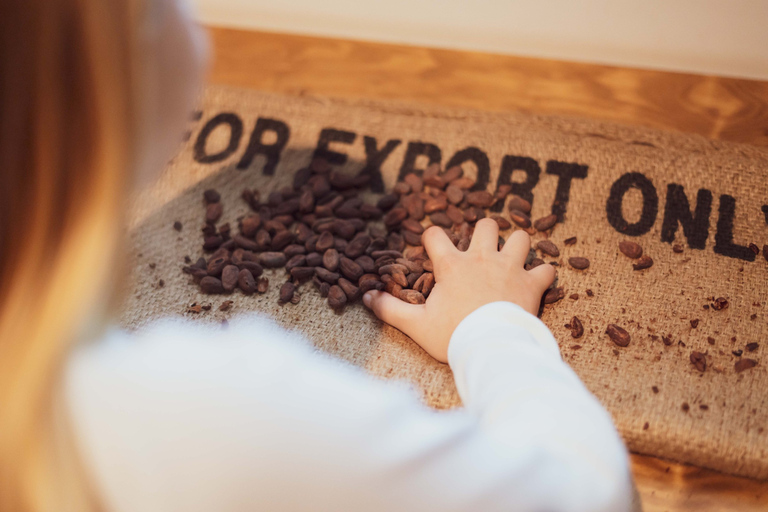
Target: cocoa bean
413,226
412,297
325,242
630,249
294,250
577,329
263,240
744,364
452,173
216,265
570,241
393,267
350,269
698,360
480,198
246,243
301,177
644,262
286,292
326,275
548,248
578,262
337,299
306,202
250,224
454,194
246,282
395,216
262,285
425,283
314,259
545,223
414,205
211,243
370,282
229,278
411,238
519,204
414,181
520,218
395,242
618,335
387,254
211,196
435,204
366,263
720,304
401,188
399,277
553,295
301,274
350,290
386,202
211,285
331,259
272,259
765,252
358,246
503,223
428,266
253,267
344,228
441,219
281,240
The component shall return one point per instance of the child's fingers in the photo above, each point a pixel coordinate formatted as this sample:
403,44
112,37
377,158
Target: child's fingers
397,313
543,276
437,243
517,247
486,236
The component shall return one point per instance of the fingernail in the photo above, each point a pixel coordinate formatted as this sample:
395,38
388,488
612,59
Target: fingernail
367,299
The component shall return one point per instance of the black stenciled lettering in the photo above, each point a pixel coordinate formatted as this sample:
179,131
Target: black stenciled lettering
271,151
724,236
374,157
328,135
677,210
480,159
414,150
565,173
235,134
524,189
616,197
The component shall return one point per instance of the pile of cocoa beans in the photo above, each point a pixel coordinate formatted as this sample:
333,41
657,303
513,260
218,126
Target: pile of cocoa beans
321,230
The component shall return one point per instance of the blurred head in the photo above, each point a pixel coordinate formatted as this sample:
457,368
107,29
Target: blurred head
93,99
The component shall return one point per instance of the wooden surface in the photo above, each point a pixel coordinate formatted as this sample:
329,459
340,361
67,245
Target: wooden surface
719,108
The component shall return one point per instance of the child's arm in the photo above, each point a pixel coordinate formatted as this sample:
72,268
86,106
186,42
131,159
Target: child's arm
196,419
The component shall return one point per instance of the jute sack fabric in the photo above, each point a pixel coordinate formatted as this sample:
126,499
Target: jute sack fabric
607,182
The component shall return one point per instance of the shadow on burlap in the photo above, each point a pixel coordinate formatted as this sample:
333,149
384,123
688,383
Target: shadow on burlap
661,404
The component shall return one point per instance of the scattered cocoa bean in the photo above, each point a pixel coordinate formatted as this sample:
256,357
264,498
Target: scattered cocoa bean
272,259
246,281
211,196
698,360
286,292
520,218
577,328
519,204
548,248
412,297
630,249
553,295
570,241
618,335
229,278
644,262
744,364
337,299
545,223
578,262
211,285
720,304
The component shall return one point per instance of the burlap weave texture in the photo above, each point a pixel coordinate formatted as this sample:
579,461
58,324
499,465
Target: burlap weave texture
660,402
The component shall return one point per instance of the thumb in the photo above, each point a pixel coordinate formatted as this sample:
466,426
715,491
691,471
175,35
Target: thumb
397,313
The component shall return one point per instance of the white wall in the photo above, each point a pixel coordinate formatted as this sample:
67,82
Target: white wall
723,37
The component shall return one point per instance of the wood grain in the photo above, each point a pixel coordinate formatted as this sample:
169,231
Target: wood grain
719,108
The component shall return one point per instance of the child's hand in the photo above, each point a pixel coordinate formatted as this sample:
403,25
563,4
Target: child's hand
464,281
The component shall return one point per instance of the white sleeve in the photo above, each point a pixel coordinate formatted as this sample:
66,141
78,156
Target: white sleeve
197,419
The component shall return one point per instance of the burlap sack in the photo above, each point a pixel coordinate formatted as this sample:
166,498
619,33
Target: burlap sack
608,182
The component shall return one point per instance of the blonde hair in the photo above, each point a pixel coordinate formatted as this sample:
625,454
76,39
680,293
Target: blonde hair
67,140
